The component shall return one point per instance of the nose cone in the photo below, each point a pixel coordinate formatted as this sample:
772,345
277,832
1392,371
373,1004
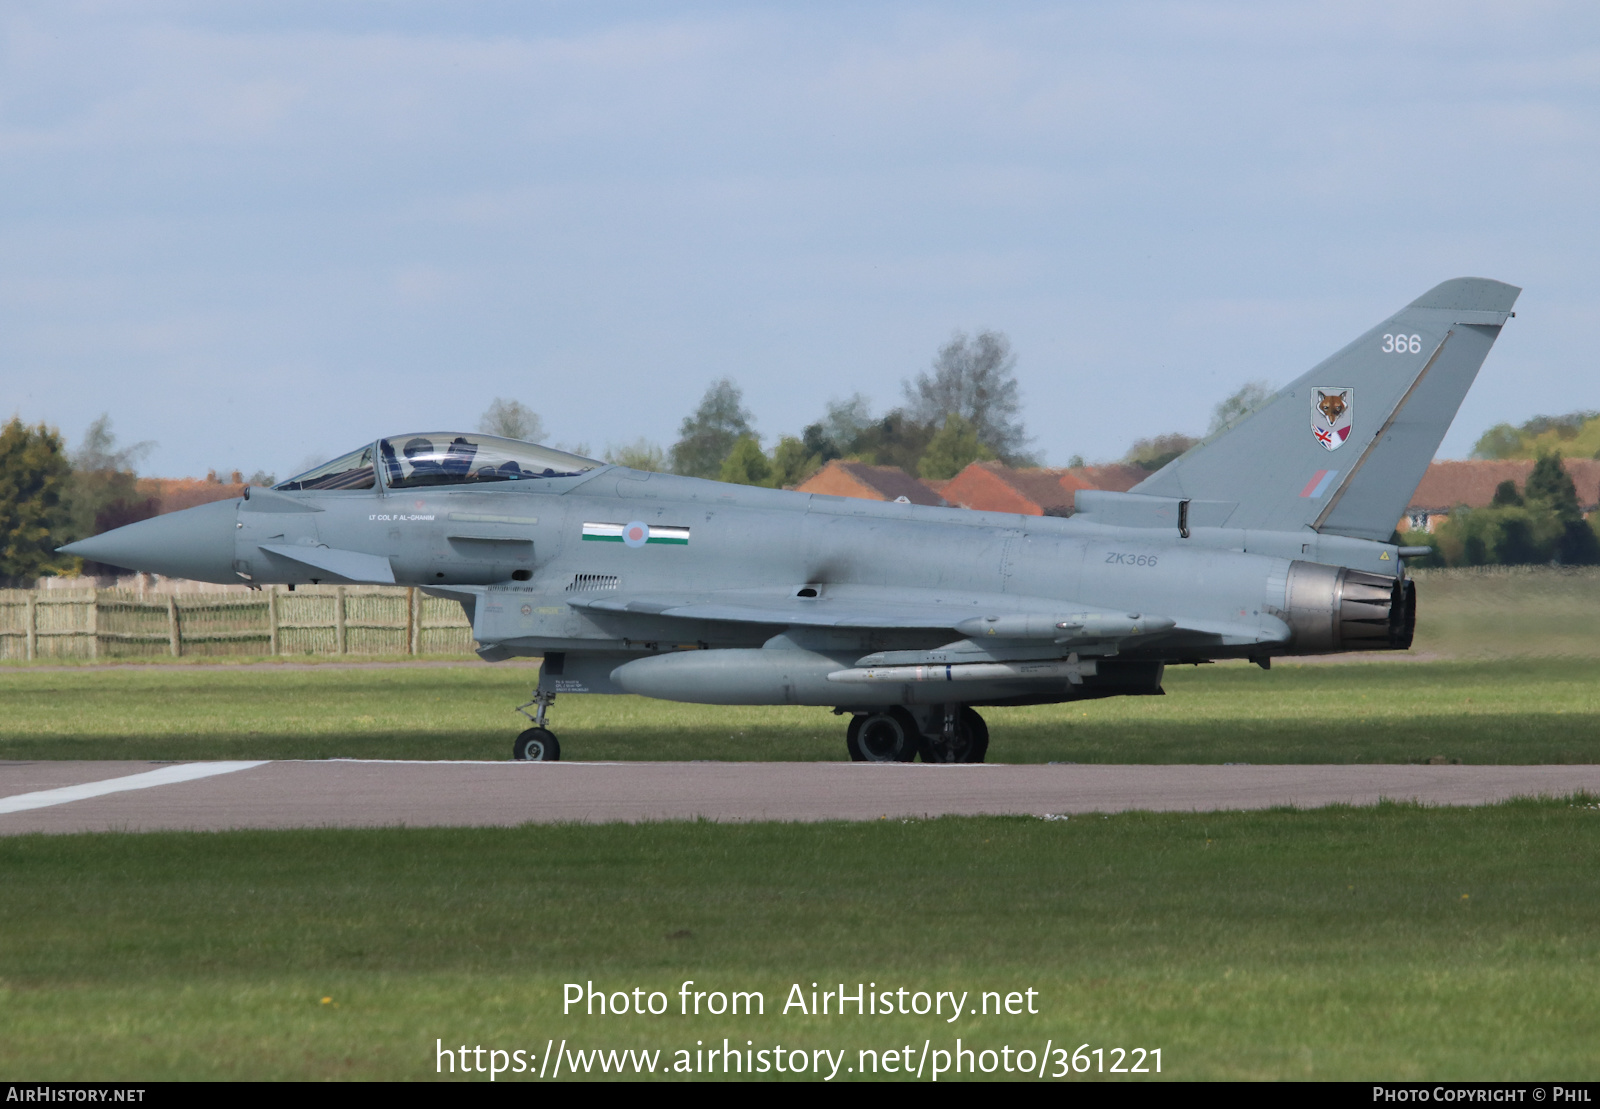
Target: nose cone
196,543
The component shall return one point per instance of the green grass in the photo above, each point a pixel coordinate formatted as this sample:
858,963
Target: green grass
1511,711
1394,942
1509,611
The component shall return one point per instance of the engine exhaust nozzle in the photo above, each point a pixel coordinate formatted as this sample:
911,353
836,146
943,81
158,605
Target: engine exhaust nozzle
1335,608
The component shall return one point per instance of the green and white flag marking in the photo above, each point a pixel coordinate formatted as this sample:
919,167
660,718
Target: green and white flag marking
636,534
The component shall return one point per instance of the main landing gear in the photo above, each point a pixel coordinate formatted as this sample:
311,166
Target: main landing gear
947,733
538,743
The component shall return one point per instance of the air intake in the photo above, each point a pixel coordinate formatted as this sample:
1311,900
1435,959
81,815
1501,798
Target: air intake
589,583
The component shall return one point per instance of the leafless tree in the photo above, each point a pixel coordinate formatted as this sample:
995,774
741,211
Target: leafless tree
511,419
1249,397
641,454
975,378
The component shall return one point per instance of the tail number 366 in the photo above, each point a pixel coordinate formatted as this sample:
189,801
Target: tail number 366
1402,344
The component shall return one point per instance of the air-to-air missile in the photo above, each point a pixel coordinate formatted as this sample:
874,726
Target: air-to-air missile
1269,539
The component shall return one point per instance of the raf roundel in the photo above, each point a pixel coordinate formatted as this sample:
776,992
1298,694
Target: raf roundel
635,534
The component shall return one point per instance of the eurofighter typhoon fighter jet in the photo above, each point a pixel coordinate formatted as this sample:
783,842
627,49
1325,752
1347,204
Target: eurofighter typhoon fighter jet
1270,539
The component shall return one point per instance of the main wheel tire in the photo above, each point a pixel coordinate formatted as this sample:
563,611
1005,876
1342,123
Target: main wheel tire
971,741
536,745
979,746
889,736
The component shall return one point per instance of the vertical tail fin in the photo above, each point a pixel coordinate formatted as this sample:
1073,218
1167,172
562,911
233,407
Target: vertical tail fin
1342,448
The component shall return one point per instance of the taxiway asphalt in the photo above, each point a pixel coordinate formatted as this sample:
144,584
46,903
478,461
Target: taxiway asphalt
60,797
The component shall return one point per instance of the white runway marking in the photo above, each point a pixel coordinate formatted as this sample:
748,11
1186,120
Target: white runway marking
167,775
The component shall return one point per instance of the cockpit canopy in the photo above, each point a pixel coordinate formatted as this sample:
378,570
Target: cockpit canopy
440,458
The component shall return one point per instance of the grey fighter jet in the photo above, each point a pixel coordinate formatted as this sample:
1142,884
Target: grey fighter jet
1269,539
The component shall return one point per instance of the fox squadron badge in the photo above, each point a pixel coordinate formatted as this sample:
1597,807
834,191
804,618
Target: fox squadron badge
1332,416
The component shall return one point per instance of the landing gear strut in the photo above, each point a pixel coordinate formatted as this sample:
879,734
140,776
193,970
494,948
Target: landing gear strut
538,743
961,736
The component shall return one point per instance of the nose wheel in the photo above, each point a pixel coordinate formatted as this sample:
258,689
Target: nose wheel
538,743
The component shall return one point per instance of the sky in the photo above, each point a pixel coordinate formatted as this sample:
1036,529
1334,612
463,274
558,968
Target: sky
261,234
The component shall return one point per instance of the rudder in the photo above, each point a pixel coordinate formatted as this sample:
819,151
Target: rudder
1342,448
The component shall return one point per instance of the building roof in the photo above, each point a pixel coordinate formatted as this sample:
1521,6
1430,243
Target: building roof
873,483
996,487
1115,477
174,493
1472,483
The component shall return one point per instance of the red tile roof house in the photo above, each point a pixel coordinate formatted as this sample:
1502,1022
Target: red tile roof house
873,483
175,493
1471,484
996,487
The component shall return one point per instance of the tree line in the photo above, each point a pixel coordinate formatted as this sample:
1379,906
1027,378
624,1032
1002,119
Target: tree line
1574,435
1539,524
967,408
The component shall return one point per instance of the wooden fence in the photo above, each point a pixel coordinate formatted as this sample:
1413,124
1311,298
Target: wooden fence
314,620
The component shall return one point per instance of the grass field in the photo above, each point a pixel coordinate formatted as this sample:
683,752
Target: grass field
1509,612
1518,710
1393,942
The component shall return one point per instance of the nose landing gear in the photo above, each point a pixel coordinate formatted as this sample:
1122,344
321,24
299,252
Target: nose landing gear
538,743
